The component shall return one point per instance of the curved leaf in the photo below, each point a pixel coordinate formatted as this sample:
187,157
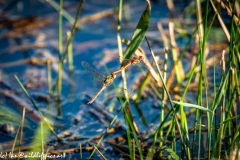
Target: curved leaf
139,32
192,106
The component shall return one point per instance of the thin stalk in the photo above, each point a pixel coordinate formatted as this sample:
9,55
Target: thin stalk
20,129
190,78
195,131
120,49
187,151
199,136
164,98
134,152
209,115
49,77
42,136
184,126
222,108
100,153
132,127
59,82
60,24
21,132
70,54
128,135
80,149
173,132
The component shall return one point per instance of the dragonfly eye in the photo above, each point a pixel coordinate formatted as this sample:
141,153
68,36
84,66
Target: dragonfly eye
114,76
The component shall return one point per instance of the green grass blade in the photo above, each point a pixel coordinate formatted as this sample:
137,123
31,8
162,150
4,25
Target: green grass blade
229,119
139,32
192,106
220,93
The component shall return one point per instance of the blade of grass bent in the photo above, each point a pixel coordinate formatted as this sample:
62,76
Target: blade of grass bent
40,113
192,106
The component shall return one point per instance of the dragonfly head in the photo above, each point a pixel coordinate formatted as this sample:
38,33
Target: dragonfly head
114,76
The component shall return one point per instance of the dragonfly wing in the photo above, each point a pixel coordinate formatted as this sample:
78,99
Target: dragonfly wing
98,81
97,76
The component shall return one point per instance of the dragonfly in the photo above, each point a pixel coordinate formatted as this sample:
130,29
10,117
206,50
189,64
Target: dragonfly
134,61
105,80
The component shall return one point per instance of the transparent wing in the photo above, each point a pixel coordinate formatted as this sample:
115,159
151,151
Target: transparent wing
98,77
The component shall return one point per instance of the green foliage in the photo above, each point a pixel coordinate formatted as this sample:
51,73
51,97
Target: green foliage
139,33
172,154
192,106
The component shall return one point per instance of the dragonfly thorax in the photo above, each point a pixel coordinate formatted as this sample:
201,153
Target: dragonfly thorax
136,60
109,80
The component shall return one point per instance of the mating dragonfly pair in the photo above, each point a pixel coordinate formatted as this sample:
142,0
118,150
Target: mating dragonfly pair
107,80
